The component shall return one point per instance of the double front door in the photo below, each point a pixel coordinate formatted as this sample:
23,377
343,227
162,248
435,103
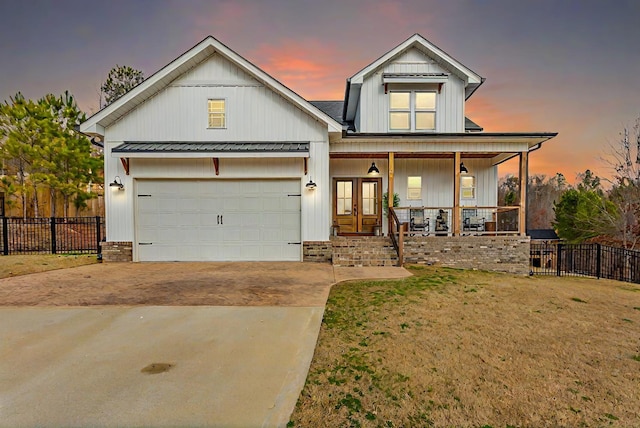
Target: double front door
357,205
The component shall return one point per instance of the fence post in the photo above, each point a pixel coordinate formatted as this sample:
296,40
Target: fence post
98,237
559,261
5,236
598,262
53,235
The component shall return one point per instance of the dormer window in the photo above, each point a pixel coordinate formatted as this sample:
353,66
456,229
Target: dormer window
412,110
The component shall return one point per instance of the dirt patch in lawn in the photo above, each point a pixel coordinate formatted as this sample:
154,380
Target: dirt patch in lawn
476,349
24,265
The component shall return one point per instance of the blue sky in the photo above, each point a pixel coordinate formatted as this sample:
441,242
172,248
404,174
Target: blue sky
564,66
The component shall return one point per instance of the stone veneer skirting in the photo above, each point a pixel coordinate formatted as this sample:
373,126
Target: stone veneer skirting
317,251
117,251
495,253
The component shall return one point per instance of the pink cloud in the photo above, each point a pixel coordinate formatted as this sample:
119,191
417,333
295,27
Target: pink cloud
306,66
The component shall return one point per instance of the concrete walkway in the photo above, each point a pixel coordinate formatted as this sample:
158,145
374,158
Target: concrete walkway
231,366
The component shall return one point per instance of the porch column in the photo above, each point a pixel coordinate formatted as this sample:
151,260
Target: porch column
391,168
524,180
456,193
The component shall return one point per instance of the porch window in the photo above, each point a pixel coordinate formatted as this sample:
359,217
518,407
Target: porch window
414,188
468,187
412,110
217,114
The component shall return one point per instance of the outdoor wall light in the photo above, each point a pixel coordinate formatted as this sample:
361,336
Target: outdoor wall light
373,169
311,185
117,183
463,169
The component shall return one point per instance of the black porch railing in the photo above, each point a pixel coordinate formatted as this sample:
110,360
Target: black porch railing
600,261
52,235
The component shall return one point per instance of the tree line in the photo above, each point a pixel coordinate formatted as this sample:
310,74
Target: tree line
44,156
592,210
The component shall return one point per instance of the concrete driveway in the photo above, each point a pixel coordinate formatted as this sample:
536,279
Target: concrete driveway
239,359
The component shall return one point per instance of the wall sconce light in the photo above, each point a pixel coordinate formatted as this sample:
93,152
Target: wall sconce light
463,169
373,169
117,183
311,185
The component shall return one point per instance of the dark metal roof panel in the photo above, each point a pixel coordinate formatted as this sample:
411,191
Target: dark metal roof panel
230,147
470,125
330,108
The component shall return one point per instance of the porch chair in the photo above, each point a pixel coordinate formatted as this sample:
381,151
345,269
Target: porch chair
418,222
442,221
471,221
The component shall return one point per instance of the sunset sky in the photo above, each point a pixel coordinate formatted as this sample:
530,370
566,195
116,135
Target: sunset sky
571,67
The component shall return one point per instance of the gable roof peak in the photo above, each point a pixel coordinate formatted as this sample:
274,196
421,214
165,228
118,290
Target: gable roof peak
96,124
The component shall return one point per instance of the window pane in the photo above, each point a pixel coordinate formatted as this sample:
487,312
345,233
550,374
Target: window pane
425,120
216,120
399,100
216,106
399,121
467,181
369,198
468,193
425,100
415,182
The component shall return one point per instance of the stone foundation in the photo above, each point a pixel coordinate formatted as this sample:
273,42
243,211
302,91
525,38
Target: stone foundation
317,251
117,251
495,253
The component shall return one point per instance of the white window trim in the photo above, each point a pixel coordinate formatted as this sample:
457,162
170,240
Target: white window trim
413,110
226,117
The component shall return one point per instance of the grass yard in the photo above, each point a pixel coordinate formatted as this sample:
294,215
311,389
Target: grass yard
452,348
23,265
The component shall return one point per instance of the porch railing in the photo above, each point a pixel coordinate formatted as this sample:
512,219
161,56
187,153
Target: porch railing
397,231
476,220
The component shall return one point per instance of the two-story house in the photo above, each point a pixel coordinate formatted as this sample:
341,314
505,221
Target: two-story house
211,158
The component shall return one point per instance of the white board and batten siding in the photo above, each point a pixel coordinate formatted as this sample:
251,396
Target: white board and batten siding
374,103
253,113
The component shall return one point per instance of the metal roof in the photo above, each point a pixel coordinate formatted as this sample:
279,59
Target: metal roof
211,147
470,125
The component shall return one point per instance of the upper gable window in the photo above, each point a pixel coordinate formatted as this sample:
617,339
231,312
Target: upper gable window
412,110
217,114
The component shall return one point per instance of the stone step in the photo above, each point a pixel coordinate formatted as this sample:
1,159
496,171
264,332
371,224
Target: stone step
363,251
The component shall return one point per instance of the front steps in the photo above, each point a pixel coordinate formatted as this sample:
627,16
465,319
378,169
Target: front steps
360,251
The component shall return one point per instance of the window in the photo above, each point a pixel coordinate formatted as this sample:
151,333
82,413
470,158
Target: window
412,111
217,114
468,187
414,188
400,110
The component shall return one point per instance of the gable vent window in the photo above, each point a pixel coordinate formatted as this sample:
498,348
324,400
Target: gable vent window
412,111
217,114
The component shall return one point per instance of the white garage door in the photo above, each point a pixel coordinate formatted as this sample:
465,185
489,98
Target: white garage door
218,220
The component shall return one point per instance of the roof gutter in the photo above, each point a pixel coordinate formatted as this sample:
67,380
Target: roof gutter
482,80
347,90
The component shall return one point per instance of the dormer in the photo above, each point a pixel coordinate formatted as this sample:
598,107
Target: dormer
414,88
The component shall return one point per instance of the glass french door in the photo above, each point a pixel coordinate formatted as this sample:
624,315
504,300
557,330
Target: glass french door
357,205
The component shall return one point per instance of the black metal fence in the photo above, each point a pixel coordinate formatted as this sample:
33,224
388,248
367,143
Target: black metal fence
600,261
55,235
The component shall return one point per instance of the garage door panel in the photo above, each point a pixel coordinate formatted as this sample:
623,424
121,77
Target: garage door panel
181,219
